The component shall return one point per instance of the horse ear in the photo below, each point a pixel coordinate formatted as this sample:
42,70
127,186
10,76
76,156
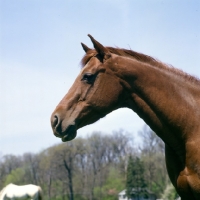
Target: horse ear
103,51
85,48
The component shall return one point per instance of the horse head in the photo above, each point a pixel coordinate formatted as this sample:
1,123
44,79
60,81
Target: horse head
96,92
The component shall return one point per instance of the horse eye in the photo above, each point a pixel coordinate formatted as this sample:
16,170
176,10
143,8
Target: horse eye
88,78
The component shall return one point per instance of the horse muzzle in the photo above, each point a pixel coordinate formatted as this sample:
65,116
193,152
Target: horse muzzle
62,128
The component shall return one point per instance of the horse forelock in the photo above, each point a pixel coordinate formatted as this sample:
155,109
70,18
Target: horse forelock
141,58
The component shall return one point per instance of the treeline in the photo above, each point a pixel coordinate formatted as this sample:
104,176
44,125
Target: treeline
92,168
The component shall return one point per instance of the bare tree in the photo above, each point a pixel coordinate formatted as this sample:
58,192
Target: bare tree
32,165
65,156
152,151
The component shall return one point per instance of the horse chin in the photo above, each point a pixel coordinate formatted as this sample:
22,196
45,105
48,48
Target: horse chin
69,137
70,134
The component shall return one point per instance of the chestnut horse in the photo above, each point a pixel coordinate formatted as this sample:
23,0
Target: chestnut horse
167,99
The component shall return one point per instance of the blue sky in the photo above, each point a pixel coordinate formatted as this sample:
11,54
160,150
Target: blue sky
40,57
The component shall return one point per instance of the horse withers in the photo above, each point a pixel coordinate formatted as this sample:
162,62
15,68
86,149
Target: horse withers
167,99
23,192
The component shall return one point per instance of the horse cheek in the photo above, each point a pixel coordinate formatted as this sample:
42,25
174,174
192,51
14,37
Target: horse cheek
110,91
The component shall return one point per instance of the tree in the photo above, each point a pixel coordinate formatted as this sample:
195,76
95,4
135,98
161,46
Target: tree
16,176
135,177
97,157
65,157
169,193
31,162
45,170
92,168
114,183
8,164
153,156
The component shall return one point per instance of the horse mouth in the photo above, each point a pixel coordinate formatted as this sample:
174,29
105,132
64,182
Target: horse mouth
69,134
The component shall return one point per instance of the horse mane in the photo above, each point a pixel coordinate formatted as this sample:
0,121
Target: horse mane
119,52
141,58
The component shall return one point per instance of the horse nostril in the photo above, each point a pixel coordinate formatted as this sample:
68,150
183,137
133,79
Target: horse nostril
54,121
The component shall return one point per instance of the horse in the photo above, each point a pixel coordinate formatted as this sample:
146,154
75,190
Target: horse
166,98
23,192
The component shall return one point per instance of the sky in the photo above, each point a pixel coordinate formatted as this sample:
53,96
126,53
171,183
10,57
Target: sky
40,55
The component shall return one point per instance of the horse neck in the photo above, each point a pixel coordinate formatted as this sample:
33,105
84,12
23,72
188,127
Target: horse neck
161,97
